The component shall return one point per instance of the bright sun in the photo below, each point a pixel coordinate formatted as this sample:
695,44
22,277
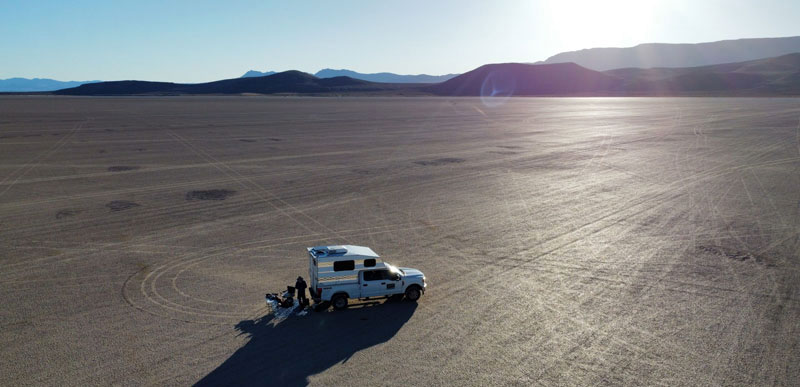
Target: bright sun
601,23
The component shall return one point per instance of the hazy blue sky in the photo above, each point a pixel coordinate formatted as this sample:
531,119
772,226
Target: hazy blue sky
194,41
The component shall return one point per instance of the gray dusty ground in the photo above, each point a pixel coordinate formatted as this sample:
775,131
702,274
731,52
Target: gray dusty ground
566,241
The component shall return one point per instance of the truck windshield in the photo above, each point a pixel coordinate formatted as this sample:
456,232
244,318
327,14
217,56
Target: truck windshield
393,269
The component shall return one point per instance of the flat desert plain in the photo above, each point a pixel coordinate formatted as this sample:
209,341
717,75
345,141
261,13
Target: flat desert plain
638,241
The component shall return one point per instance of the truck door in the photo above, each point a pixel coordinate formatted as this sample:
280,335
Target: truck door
376,283
394,283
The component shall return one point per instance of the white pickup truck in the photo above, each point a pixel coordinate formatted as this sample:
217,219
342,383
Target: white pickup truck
340,273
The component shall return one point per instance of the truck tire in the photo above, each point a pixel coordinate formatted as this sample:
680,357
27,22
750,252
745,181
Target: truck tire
339,302
413,292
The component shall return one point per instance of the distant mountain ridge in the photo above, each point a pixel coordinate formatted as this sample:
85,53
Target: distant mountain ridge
254,73
375,77
287,82
651,55
771,76
385,77
778,76
643,56
509,79
37,84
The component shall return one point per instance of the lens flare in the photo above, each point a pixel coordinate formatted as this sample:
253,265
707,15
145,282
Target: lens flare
497,88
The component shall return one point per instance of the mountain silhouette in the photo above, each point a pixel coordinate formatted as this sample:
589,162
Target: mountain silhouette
679,55
375,77
776,76
290,82
509,79
254,73
385,77
770,76
36,84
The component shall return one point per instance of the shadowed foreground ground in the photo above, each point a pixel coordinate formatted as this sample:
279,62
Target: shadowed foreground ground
565,241
287,352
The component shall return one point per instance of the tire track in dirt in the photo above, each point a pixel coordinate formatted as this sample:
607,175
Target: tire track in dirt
27,167
150,291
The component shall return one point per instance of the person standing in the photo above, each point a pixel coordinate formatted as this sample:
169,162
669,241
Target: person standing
301,286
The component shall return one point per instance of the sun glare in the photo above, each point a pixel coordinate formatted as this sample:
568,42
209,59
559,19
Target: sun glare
601,23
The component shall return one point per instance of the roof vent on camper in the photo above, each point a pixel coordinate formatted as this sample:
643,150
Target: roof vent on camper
329,250
337,250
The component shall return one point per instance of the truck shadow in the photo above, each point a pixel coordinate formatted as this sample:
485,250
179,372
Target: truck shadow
288,352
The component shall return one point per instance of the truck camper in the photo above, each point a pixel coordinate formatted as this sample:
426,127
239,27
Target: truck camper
340,273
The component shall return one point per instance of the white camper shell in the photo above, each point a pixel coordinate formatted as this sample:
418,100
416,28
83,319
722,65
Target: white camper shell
339,273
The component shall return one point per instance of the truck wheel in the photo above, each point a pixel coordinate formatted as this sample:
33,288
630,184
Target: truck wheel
339,302
413,293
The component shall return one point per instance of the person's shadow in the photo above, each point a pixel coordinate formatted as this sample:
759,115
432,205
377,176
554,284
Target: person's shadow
286,353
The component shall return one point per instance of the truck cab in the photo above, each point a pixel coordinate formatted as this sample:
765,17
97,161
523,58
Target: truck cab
340,273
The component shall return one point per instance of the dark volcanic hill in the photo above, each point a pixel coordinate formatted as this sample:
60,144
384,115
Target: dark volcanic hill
679,55
290,82
119,88
525,79
771,76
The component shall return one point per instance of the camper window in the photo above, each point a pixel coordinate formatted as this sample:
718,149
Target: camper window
369,262
344,265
